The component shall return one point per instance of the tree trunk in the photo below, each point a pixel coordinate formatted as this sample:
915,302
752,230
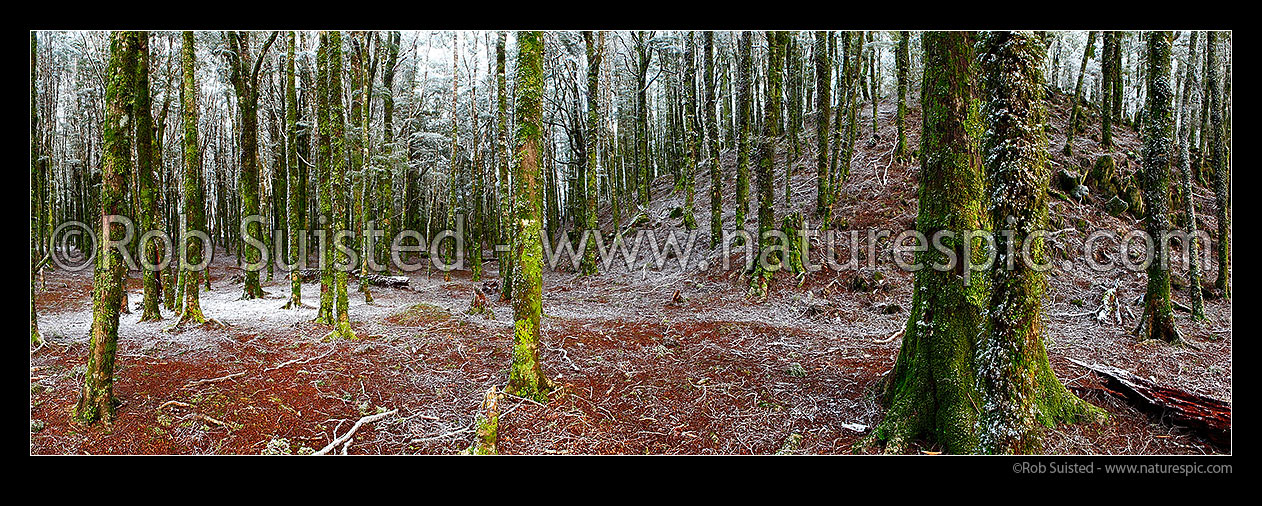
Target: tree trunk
193,234
1017,382
526,377
933,389
1188,115
1157,321
96,399
152,302
1218,157
1074,115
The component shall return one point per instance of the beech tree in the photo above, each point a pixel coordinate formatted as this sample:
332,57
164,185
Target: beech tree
823,101
1018,385
1157,321
933,388
147,183
96,398
194,192
526,377
244,73
1074,115
1188,114
1218,159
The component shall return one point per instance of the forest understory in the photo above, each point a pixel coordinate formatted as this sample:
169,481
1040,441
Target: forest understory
650,361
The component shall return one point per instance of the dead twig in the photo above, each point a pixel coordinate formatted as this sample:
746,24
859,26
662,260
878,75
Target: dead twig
346,437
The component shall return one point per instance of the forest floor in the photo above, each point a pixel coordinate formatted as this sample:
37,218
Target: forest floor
651,361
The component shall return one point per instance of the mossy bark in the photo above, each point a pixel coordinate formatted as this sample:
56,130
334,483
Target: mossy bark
644,56
526,377
295,198
712,145
932,392
1218,160
692,141
595,44
1189,110
823,104
152,302
244,78
1075,115
1106,105
1157,321
337,162
96,399
194,190
766,164
901,64
1020,391
507,226
325,313
745,121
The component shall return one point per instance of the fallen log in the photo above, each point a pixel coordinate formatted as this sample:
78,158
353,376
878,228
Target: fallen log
313,275
1206,415
387,281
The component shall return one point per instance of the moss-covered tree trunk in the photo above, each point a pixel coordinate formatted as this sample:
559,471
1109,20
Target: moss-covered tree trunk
1188,114
453,164
385,176
1074,115
508,226
244,77
96,399
1019,389
932,393
712,145
823,104
793,95
1106,105
337,165
38,178
296,197
745,118
147,190
1218,161
644,56
595,44
901,64
1157,321
327,219
692,142
766,165
526,377
194,191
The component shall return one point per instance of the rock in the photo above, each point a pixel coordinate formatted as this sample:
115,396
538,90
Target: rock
1134,199
1101,172
891,308
1067,180
1116,206
37,425
1079,193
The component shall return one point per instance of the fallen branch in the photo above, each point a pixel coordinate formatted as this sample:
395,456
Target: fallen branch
299,361
344,437
1207,415
890,338
214,380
